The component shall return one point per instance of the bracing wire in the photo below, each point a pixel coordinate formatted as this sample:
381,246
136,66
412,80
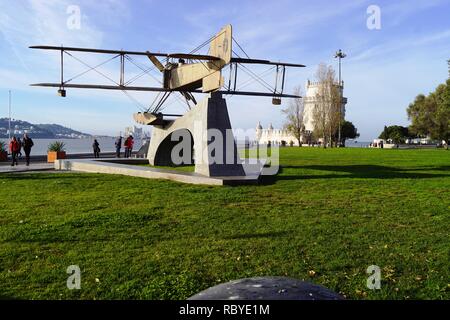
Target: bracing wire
154,101
235,41
205,43
141,106
91,68
262,74
138,65
256,78
143,69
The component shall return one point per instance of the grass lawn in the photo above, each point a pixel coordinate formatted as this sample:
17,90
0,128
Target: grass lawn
325,218
184,168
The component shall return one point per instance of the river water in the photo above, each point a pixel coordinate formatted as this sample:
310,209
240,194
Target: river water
78,145
107,145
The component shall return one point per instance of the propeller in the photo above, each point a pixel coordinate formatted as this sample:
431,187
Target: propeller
155,61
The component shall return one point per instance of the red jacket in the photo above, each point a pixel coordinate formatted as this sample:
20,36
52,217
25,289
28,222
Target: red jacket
14,146
129,143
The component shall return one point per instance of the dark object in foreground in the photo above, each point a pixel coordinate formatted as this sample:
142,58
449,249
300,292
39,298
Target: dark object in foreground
267,288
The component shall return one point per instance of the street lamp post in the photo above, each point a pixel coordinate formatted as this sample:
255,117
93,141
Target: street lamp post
340,55
9,120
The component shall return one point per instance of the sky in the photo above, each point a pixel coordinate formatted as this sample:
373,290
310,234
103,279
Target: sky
385,68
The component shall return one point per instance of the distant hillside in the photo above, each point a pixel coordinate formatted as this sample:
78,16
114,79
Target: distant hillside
39,131
57,129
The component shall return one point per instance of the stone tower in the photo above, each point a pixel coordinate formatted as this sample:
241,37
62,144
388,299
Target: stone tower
310,101
258,132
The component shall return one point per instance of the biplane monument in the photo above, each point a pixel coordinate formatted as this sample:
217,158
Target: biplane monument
187,74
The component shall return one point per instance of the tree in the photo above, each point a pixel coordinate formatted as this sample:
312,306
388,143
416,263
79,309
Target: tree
295,114
384,135
326,111
430,115
348,131
419,112
448,62
397,134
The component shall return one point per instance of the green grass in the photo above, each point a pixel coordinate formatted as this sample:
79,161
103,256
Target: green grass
184,168
334,212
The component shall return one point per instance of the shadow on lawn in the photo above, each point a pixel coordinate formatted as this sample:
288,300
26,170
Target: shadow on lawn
6,298
257,235
44,175
357,171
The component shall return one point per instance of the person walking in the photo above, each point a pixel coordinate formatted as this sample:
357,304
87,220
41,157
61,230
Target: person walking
27,143
130,145
96,147
126,145
118,144
19,153
14,149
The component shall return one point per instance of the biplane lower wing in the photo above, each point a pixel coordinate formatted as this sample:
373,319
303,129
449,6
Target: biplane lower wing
156,89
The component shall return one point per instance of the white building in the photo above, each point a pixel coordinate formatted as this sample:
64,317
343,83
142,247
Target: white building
274,136
134,131
282,136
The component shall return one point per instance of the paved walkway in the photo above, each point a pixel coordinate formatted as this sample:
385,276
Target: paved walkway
37,166
39,163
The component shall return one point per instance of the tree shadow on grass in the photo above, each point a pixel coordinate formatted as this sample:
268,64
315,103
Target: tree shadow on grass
357,171
6,298
257,235
45,176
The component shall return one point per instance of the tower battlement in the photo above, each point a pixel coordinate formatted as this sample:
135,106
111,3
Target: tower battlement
315,84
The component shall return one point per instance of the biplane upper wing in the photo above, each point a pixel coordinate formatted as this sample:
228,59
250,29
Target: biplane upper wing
192,56
137,53
258,61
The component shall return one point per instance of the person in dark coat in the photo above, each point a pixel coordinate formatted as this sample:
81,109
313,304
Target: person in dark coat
126,144
118,144
27,144
19,154
96,147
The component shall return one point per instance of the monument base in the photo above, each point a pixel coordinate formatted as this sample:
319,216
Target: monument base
203,136
134,168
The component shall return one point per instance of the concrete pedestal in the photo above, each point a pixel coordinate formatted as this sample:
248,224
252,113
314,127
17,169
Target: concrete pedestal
208,127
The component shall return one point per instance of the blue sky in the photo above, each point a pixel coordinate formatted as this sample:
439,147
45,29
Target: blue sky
383,72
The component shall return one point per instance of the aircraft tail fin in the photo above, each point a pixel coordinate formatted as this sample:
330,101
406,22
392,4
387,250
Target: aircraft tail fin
221,45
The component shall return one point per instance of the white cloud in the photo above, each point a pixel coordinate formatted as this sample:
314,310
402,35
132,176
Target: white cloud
396,12
44,22
405,45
